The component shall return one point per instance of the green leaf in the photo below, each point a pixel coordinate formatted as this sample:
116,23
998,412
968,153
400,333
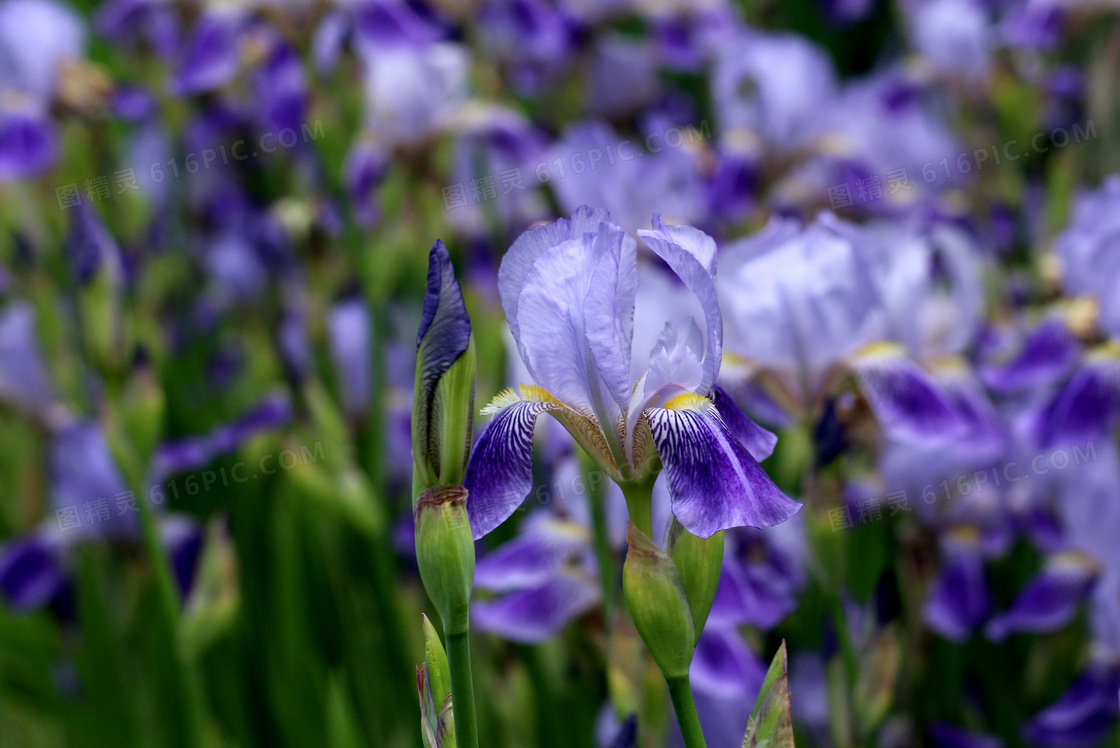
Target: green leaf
771,721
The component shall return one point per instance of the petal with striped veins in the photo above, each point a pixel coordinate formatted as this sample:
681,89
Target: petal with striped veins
714,482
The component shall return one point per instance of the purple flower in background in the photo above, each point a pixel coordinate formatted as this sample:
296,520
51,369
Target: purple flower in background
28,142
1084,714
210,57
24,379
534,37
36,38
955,36
1050,600
544,578
1088,251
625,180
958,601
568,290
775,86
349,333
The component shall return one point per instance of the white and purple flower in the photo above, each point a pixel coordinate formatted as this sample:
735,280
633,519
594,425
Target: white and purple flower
568,290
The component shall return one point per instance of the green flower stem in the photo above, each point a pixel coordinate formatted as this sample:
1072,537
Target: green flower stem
462,688
600,535
639,503
681,694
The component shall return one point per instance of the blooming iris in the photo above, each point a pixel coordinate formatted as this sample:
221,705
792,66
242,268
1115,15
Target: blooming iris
568,290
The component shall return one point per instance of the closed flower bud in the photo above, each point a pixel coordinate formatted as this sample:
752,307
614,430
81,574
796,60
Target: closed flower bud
699,561
656,599
445,554
443,406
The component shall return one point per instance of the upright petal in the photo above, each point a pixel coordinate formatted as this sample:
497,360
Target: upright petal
714,482
691,255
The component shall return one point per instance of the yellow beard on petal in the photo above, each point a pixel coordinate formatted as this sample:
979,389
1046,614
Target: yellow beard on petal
688,401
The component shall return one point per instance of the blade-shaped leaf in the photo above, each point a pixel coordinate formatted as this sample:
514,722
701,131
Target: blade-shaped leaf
771,721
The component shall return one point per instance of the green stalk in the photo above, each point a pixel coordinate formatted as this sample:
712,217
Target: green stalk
462,688
681,694
600,535
639,503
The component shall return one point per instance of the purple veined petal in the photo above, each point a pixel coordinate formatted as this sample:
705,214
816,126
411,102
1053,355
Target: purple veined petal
714,482
1047,353
1050,600
1087,407
908,404
31,571
958,601
500,472
28,144
23,377
691,255
210,59
949,736
538,554
1083,715
723,665
536,614
758,441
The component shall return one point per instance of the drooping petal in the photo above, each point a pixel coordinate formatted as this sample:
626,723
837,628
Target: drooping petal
533,557
958,600
714,481
500,472
1084,714
758,441
1087,407
1046,354
535,614
1050,600
907,402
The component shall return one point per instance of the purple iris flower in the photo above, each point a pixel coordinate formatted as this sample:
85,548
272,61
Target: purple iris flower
806,303
763,572
535,37
28,142
36,38
134,22
1087,249
568,290
775,86
955,37
624,179
210,58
